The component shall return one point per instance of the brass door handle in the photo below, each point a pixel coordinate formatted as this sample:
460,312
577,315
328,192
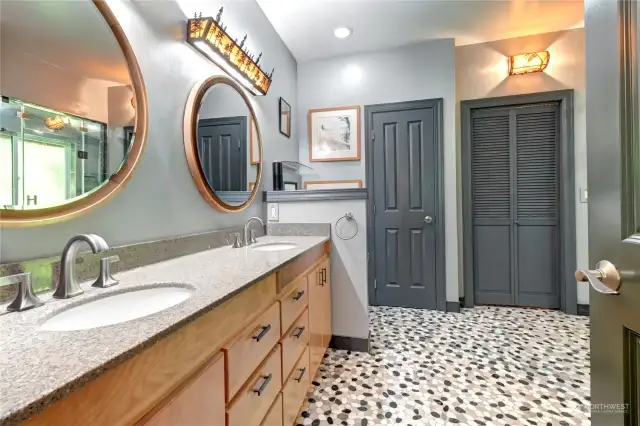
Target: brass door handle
604,279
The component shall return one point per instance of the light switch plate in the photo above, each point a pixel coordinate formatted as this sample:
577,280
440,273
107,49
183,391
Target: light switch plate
584,195
273,212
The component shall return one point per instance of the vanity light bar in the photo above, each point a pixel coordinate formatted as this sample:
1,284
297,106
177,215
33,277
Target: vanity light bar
210,38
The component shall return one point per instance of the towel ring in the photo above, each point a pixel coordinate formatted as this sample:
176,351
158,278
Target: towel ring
349,217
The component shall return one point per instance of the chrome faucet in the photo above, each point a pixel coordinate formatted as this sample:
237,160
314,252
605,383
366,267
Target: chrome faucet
247,240
67,284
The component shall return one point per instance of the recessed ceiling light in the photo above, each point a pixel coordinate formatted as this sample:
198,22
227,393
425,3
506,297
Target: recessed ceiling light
342,32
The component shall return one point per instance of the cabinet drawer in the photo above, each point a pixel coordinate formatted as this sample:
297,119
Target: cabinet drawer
294,342
200,403
293,303
274,416
250,347
295,389
253,401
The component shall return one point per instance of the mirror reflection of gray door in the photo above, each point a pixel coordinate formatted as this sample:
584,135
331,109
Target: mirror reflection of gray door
222,150
404,165
613,171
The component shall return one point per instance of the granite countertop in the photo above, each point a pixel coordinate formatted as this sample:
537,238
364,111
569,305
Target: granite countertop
40,367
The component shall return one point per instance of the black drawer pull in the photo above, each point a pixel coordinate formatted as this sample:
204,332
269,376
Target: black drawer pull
262,333
263,386
298,333
298,295
302,371
320,277
324,275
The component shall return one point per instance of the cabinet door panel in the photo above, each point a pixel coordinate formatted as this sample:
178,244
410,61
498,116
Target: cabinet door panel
326,304
316,319
200,403
274,416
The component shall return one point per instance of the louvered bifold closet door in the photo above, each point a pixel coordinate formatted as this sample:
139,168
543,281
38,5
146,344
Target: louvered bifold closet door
536,205
492,204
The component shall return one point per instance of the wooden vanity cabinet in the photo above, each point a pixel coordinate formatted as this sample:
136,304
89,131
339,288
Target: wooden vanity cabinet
247,362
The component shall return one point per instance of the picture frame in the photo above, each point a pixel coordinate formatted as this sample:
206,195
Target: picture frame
334,134
254,151
284,120
332,184
290,186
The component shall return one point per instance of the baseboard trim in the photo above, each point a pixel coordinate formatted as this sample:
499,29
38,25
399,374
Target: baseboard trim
453,307
350,343
583,310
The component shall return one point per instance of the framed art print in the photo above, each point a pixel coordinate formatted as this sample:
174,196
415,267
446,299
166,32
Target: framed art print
332,184
285,118
334,134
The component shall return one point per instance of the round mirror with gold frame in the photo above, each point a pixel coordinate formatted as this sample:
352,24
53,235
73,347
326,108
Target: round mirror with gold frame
73,110
223,144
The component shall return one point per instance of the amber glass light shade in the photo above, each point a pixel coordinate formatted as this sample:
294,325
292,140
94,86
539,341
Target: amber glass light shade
206,35
54,123
528,62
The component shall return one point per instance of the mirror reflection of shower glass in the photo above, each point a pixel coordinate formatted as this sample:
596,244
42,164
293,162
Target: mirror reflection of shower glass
48,157
67,106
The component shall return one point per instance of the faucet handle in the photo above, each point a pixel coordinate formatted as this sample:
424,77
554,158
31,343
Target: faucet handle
25,299
105,279
252,236
237,239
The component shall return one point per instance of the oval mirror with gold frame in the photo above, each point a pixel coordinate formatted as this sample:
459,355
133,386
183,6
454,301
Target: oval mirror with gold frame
223,144
73,112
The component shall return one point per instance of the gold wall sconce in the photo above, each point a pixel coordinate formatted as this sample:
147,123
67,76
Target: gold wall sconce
209,37
528,62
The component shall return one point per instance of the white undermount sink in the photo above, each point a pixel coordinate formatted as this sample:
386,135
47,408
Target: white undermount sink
275,246
117,309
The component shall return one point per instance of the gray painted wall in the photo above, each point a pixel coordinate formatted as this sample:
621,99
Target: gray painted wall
419,71
481,72
161,200
349,293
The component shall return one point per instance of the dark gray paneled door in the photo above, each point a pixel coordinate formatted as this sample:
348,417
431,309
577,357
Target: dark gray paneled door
404,171
222,150
514,162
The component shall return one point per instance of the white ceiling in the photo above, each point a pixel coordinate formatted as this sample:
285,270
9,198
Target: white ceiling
306,26
69,34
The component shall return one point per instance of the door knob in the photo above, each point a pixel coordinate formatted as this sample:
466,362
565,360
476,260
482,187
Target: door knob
428,219
604,279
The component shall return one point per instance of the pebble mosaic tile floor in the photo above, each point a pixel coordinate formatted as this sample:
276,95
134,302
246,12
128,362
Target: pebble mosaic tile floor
484,366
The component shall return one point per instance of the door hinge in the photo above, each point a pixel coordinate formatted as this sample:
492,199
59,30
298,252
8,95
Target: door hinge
368,255
374,209
373,135
375,283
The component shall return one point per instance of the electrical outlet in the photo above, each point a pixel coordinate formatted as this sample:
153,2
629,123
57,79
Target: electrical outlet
273,212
